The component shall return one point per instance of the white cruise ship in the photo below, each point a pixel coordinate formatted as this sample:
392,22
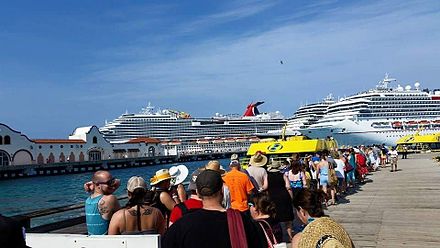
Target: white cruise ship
381,115
305,116
179,126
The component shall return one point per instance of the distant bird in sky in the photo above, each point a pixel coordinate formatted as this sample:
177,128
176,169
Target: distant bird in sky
281,62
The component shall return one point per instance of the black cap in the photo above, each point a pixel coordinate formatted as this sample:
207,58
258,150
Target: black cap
209,182
192,181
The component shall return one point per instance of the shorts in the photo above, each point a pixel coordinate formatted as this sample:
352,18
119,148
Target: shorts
323,180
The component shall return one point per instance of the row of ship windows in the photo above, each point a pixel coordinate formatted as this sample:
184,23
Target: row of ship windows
402,102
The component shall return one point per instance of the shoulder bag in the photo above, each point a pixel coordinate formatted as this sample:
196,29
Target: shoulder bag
237,233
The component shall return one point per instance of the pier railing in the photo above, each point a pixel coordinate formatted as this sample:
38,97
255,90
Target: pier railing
26,219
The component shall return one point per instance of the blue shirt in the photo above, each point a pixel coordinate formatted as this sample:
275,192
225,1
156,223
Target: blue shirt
96,225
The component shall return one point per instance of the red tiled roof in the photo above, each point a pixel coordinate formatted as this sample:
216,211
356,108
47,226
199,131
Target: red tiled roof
59,141
144,140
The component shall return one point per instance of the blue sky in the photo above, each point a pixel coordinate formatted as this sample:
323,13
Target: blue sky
65,64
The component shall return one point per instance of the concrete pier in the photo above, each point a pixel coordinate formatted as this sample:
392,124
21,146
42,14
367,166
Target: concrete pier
397,209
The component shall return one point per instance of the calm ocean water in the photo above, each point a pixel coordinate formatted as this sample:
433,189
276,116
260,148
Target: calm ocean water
29,194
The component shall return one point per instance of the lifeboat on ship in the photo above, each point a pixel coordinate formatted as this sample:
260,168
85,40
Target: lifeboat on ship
202,141
436,123
424,123
216,141
411,123
396,124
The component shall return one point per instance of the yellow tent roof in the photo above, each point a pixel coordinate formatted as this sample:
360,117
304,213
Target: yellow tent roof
297,145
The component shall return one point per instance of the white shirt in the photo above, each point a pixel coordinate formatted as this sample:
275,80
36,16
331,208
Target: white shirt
339,168
393,154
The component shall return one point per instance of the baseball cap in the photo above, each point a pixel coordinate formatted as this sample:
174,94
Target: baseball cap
209,182
192,180
136,182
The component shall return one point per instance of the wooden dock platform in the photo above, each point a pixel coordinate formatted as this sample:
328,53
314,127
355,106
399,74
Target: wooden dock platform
393,209
396,209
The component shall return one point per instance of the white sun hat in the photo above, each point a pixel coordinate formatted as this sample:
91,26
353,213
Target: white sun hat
179,174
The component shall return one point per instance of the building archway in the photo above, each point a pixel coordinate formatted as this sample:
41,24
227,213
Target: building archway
51,159
95,155
71,157
151,151
81,157
62,158
40,159
22,157
4,158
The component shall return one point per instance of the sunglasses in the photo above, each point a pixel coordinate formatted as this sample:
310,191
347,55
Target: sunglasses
250,204
110,182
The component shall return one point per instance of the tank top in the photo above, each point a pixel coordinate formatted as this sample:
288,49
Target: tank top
96,225
324,170
295,184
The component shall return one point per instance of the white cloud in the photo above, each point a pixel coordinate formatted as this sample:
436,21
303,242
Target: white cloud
344,50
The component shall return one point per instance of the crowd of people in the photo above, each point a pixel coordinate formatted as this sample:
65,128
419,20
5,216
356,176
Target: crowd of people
256,206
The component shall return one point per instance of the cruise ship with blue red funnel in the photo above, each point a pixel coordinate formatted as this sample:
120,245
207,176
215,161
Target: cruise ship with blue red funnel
169,124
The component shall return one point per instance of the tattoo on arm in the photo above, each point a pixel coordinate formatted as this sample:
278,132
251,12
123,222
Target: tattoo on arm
103,209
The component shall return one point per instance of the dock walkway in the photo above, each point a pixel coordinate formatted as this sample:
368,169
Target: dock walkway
397,209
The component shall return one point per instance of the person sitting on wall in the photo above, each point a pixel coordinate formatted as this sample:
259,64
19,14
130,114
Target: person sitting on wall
101,204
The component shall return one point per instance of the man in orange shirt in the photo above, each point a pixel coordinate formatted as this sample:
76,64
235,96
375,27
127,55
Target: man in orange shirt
239,186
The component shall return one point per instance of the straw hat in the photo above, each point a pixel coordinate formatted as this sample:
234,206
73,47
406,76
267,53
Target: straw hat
324,232
274,166
258,160
136,182
179,174
161,175
215,165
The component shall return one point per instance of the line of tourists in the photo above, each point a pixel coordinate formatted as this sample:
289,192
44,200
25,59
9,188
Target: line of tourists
253,207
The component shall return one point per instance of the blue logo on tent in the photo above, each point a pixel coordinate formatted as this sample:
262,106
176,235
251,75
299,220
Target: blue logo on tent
275,147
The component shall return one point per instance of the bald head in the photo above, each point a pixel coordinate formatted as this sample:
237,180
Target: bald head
213,165
101,176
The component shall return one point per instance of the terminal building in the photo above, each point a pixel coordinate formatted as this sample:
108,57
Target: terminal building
84,144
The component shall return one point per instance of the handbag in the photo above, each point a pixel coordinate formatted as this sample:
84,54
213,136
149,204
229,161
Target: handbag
348,167
270,237
332,178
237,234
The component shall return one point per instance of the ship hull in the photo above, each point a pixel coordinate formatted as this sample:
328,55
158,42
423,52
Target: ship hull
353,133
